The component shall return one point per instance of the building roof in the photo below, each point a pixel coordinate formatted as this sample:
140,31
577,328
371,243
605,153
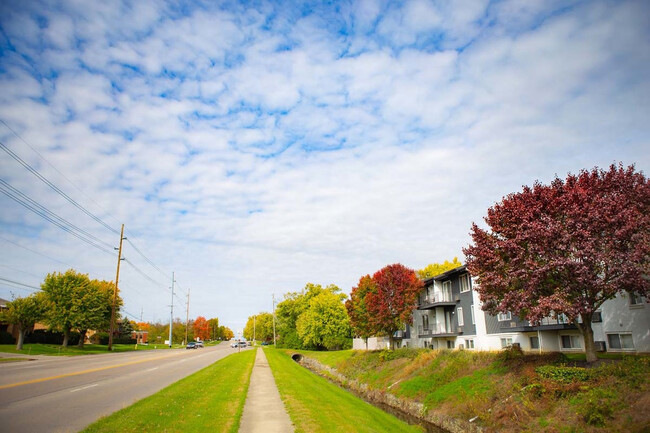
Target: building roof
447,274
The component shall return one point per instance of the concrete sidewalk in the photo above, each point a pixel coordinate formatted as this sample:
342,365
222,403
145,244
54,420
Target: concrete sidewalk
264,410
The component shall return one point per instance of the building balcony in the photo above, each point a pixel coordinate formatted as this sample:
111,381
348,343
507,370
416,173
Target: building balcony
438,331
437,300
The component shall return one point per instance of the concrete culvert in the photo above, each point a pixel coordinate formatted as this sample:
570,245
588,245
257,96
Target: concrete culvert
296,357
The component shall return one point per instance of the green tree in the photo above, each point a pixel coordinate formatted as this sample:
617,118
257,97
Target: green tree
288,311
259,327
62,291
213,326
91,307
24,313
435,269
325,323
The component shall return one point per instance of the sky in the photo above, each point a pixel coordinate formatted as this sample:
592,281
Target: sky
252,147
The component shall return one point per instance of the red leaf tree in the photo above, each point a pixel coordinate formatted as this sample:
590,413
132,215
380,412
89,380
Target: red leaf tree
565,248
201,328
391,302
358,310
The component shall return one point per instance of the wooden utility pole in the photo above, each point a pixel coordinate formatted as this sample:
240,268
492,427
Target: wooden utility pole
187,318
115,290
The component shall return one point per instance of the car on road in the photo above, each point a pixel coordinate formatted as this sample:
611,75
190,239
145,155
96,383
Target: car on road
191,345
199,344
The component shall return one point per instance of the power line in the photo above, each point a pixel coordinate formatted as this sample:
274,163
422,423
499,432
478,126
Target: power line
55,169
19,284
42,208
55,188
146,258
141,272
63,224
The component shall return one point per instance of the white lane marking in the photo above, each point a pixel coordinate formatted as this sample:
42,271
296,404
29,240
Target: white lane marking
84,387
152,369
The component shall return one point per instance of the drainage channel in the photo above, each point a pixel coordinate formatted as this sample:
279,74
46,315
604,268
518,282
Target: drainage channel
396,412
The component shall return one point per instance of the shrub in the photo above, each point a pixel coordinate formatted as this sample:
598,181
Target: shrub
564,374
596,406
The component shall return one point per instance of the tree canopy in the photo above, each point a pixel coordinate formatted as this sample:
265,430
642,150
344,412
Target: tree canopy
358,310
391,303
325,323
76,302
566,247
434,269
24,313
295,304
201,328
259,327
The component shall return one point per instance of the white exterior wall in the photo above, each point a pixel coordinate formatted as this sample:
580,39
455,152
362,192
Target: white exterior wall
621,317
374,343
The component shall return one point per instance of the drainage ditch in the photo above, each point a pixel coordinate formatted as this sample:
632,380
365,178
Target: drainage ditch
410,412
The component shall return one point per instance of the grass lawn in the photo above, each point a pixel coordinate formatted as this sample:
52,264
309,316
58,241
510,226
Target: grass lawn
332,359
316,405
88,349
210,400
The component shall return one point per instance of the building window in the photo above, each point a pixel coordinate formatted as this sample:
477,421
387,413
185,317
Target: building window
504,317
636,299
461,319
506,342
534,342
620,341
450,344
469,344
425,322
570,342
563,319
465,284
471,309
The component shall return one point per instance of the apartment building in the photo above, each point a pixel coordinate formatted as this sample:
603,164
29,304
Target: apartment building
449,316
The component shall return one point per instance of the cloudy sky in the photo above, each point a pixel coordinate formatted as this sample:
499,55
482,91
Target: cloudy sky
252,147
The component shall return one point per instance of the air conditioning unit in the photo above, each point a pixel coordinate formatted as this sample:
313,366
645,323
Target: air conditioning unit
457,298
600,346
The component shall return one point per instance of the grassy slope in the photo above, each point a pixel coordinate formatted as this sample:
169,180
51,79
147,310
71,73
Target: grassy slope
315,405
209,400
508,391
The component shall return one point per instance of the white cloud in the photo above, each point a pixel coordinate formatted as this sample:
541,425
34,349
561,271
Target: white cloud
252,151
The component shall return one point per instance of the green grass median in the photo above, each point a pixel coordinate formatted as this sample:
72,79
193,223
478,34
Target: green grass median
316,405
209,400
88,349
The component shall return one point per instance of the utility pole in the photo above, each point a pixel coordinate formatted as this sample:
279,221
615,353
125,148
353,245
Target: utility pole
187,318
254,320
274,320
171,314
115,290
141,313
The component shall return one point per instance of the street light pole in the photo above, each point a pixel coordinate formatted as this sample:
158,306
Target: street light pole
171,314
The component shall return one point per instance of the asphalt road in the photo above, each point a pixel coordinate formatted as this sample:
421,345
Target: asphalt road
65,394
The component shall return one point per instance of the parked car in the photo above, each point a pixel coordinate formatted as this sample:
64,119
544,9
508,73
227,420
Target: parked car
234,344
199,344
191,345
242,344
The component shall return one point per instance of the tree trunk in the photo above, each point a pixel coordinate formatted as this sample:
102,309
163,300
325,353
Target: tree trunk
390,341
82,338
588,337
366,339
21,338
66,337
